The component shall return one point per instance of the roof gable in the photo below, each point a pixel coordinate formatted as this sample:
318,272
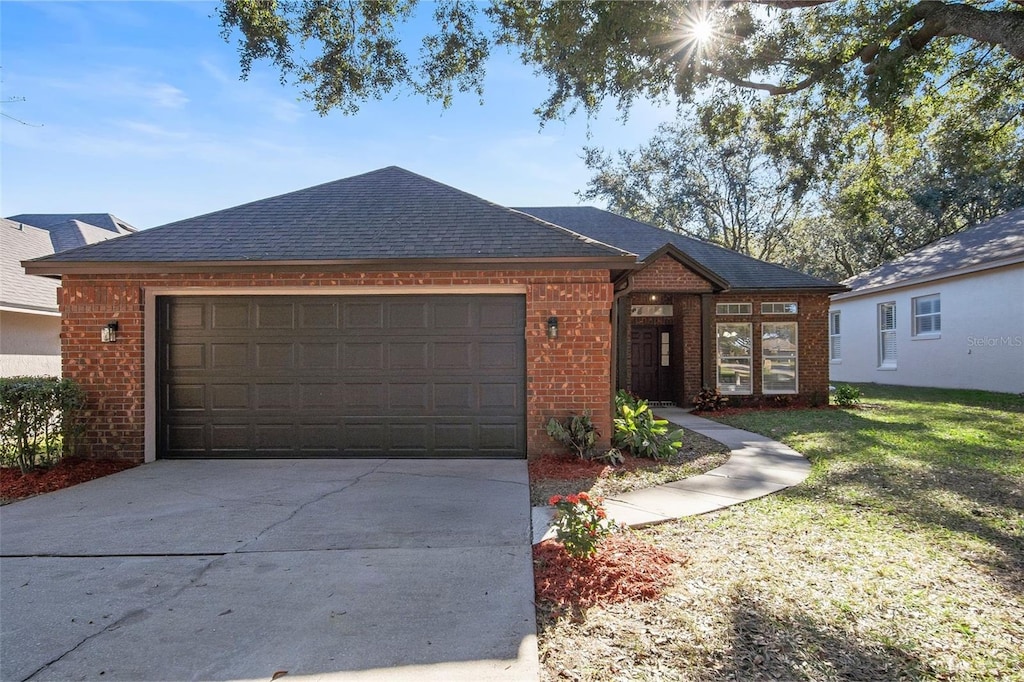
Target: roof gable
18,290
996,242
647,241
388,214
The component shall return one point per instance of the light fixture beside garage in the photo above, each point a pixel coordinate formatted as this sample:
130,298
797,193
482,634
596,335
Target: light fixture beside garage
109,333
552,327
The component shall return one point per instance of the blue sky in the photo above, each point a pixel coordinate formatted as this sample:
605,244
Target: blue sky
137,110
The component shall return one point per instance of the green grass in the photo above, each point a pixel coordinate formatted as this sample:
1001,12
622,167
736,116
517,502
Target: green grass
901,557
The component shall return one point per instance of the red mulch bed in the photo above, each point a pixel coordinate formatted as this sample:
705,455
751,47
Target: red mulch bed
552,467
67,472
624,568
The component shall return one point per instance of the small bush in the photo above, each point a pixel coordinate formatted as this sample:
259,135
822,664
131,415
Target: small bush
580,523
709,400
577,434
638,431
39,420
847,395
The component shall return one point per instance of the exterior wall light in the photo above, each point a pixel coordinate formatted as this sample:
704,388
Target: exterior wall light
109,333
552,327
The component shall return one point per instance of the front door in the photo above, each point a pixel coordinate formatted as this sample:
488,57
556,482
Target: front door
649,362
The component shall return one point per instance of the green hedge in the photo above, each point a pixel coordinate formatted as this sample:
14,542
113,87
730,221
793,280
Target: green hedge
39,420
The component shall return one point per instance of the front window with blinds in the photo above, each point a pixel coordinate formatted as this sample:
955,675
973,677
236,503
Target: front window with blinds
779,357
887,335
734,358
927,316
835,347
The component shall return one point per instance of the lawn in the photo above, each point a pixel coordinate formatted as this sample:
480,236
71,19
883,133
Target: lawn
901,557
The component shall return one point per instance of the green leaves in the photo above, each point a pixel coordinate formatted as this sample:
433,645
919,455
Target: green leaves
637,430
577,434
38,419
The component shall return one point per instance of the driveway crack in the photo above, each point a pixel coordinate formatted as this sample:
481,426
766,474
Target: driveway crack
302,506
198,574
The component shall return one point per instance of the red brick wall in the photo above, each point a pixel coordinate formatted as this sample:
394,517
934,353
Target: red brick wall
667,274
564,376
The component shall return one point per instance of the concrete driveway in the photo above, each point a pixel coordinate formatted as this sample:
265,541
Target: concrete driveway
236,570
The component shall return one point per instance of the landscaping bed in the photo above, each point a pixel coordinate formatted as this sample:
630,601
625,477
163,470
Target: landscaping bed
67,472
901,557
564,475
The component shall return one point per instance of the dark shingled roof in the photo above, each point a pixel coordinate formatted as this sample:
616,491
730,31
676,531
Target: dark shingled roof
388,214
741,272
996,241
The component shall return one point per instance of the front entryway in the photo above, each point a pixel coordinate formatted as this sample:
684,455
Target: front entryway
341,376
650,363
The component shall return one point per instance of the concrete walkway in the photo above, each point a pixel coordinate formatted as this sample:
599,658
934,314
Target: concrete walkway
757,466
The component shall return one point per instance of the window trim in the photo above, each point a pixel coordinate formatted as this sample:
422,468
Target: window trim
749,330
740,307
916,317
766,308
883,333
766,358
835,336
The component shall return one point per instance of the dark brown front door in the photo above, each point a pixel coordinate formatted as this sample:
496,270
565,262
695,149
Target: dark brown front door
649,363
341,376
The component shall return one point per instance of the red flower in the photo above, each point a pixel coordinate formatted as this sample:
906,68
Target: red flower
555,499
583,496
601,513
573,499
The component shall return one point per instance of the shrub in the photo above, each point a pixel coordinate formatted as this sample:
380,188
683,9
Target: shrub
638,431
709,400
577,434
580,523
847,395
39,420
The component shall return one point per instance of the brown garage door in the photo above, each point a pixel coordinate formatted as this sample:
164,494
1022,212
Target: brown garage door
341,376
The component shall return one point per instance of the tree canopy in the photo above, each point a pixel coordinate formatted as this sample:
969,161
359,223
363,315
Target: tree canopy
343,53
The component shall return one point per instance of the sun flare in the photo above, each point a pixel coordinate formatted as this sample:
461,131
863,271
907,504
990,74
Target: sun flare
703,30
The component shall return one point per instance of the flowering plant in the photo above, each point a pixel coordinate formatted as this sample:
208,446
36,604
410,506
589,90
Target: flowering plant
580,523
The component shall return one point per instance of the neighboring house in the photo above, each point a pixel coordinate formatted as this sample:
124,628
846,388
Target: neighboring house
949,315
29,318
390,315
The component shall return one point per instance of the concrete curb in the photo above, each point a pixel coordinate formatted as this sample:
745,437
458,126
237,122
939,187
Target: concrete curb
757,466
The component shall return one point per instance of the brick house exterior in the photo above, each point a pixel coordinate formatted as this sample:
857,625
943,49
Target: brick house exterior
332,241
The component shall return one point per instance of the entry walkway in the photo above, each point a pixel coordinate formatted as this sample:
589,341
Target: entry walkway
757,466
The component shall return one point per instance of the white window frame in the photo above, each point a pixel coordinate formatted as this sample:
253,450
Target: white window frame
779,308
887,335
734,309
771,360
835,339
932,319
735,385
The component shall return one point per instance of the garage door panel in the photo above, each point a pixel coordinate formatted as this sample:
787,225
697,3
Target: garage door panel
407,355
229,315
185,356
318,316
316,376
366,315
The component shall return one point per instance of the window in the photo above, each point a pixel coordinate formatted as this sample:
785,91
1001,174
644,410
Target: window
778,357
887,335
664,349
733,308
835,348
787,308
734,354
927,316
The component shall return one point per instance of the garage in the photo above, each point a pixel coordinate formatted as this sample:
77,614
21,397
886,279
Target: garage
341,376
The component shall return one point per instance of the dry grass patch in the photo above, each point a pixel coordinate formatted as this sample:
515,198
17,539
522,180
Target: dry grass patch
902,557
